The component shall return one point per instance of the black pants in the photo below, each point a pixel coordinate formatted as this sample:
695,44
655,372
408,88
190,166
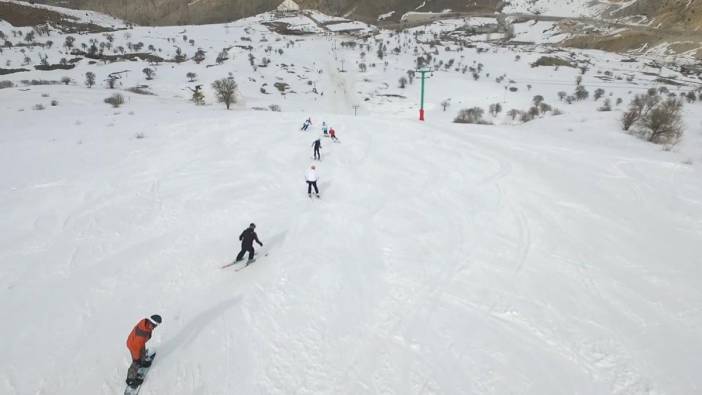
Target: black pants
244,249
316,153
311,184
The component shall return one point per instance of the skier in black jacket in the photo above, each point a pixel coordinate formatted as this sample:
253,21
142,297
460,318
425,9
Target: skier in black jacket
317,145
248,236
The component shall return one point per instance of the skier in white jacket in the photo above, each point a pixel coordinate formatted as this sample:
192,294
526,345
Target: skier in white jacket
311,178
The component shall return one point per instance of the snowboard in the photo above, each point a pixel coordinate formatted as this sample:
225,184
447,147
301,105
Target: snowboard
141,373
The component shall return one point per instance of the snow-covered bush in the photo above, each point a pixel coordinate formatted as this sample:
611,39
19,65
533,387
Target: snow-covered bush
599,92
6,84
445,104
514,113
274,108
581,93
402,82
225,89
606,106
199,56
115,100
66,80
38,107
495,109
149,73
198,97
471,115
54,103
639,107
89,79
663,124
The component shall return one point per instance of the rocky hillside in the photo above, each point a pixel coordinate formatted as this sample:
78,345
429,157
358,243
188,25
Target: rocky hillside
170,12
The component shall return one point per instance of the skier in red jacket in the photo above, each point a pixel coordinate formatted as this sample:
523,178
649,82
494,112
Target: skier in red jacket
136,343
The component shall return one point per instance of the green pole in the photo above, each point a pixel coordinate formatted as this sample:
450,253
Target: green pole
421,99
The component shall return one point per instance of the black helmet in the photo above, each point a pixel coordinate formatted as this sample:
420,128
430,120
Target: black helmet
155,319
253,225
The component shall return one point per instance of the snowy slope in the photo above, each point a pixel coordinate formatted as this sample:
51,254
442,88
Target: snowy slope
558,256
440,259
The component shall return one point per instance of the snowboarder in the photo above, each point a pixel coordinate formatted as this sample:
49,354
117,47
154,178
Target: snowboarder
247,237
332,134
136,343
311,178
306,124
317,145
324,128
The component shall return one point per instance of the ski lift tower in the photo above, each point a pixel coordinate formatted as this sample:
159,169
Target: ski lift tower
423,75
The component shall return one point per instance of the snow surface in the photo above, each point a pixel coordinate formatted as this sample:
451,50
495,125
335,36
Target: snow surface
557,256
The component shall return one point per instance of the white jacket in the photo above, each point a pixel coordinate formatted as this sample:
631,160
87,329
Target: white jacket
311,175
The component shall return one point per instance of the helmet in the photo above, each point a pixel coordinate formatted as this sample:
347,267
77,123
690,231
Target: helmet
155,319
252,225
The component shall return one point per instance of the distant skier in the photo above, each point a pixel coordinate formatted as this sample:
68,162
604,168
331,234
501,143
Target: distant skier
306,124
311,178
332,134
247,237
136,343
324,128
317,145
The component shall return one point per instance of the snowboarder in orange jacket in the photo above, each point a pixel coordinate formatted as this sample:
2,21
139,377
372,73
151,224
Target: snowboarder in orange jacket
136,343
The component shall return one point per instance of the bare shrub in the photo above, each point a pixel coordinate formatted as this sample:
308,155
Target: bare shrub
471,115
445,104
606,106
274,108
581,93
66,80
639,107
663,124
149,73
115,100
403,82
89,79
225,90
38,107
191,76
495,109
54,103
6,84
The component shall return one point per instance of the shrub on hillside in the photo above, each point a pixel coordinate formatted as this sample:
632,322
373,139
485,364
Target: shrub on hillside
225,90
471,115
663,124
638,108
115,100
89,79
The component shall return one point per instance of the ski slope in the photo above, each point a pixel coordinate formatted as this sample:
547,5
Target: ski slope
441,258
557,256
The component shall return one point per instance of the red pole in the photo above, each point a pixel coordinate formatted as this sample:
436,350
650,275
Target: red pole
421,114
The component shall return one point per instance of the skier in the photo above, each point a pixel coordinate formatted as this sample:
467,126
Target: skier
247,237
306,124
324,128
332,134
317,145
311,178
136,343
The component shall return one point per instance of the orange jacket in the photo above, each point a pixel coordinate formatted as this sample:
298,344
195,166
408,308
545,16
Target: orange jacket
136,342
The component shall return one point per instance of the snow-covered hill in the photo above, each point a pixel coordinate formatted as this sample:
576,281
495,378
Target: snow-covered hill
555,256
